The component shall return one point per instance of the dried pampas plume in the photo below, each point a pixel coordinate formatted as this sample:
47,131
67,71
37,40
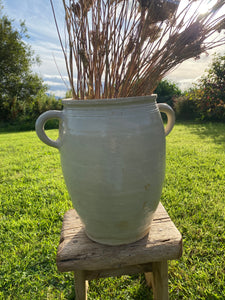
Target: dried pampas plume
120,48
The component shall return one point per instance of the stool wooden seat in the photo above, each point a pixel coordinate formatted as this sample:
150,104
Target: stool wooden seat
90,260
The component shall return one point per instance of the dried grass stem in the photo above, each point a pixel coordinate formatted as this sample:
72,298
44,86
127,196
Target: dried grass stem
120,48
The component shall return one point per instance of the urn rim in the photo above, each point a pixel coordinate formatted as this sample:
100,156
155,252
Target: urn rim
118,101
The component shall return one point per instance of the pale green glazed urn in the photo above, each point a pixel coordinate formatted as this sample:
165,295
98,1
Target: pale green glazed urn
113,161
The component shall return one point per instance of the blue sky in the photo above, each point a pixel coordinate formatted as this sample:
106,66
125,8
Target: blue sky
38,18
43,39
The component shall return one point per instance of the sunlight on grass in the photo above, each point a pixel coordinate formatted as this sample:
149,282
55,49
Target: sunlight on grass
34,199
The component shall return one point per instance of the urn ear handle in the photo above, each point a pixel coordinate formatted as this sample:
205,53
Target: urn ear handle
40,123
165,108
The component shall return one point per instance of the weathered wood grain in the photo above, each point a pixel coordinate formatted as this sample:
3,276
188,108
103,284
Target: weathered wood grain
158,280
77,252
81,285
128,270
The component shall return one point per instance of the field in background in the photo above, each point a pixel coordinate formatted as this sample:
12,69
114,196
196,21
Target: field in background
34,199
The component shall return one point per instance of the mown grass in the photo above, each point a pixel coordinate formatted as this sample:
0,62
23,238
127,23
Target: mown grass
34,199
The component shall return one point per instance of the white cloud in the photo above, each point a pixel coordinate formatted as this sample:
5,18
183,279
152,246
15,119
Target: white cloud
191,70
58,93
54,76
52,83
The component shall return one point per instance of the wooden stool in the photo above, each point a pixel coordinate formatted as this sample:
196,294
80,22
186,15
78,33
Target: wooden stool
90,260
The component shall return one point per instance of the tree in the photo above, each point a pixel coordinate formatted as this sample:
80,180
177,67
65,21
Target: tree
206,99
166,91
18,85
209,94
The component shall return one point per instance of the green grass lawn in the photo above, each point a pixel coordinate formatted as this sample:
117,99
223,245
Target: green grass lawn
34,199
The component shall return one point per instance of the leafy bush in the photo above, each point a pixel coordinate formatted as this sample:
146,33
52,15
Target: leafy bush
185,107
210,103
206,101
166,91
42,103
210,93
23,115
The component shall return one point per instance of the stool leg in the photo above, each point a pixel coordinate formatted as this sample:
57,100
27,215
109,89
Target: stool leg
81,285
158,280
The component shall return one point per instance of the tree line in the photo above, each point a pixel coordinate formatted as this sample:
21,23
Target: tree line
23,93
206,100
